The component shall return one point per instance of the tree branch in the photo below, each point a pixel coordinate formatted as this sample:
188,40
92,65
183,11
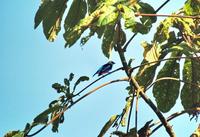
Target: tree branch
97,80
75,102
171,78
160,60
172,117
166,15
134,84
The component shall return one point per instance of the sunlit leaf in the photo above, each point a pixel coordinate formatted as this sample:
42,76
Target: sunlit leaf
128,15
72,36
126,111
166,91
81,79
192,7
162,32
151,52
190,93
108,17
107,125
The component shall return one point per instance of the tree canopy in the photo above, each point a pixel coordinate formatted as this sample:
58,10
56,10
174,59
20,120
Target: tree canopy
176,38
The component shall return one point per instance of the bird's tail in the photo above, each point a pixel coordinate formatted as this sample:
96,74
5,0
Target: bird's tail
95,74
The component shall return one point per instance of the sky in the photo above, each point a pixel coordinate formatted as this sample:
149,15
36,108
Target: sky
30,65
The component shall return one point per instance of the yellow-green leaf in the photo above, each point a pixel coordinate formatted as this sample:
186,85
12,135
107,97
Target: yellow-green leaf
107,125
151,52
109,16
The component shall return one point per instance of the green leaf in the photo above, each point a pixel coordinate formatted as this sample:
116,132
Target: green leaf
58,87
192,7
14,134
20,134
76,12
91,5
109,16
81,79
55,123
139,27
108,41
190,93
107,125
74,34
71,76
184,48
145,74
148,9
50,13
166,91
131,133
128,15
162,32
27,127
42,118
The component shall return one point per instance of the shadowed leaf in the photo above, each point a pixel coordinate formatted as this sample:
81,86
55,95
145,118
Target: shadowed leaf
190,94
14,134
76,12
42,118
166,91
81,79
108,41
50,13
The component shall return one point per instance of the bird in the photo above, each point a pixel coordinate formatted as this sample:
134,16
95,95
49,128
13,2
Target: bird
105,68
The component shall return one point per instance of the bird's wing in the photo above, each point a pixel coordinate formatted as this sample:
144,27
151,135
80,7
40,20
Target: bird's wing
105,68
98,71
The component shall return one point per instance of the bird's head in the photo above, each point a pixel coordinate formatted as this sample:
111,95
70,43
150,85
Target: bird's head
111,62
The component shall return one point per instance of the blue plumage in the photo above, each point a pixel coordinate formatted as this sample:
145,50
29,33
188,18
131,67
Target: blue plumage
105,68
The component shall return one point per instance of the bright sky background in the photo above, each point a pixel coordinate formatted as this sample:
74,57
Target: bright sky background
30,65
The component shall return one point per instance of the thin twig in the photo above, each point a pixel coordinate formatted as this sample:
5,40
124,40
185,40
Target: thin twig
160,60
172,117
166,15
97,80
171,78
129,117
159,8
75,102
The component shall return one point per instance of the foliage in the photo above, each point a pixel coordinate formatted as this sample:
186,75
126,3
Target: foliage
176,38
